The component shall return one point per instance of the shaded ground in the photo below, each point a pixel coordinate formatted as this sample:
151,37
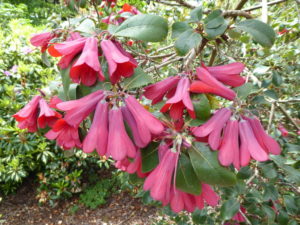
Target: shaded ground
22,209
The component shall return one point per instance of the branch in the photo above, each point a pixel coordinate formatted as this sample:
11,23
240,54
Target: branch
271,116
287,115
241,4
163,64
235,13
161,49
260,6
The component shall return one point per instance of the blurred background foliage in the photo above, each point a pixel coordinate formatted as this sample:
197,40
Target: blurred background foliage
274,74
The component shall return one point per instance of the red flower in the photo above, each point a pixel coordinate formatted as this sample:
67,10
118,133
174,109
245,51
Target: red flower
120,62
66,136
42,40
87,68
47,116
284,132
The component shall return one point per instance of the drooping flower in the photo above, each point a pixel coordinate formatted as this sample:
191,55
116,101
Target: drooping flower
207,195
228,74
229,150
250,145
42,40
213,128
209,84
65,135
159,180
27,116
78,110
144,125
180,100
98,132
157,91
87,69
265,141
120,62
119,144
284,132
47,116
54,101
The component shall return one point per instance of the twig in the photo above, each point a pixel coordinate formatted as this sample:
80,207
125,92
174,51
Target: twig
241,4
287,115
253,176
163,64
97,12
161,49
271,116
213,56
183,3
259,6
246,218
235,13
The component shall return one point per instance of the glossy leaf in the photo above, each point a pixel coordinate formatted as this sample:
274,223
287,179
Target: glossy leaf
215,24
229,209
207,167
179,27
186,41
196,14
150,157
144,27
202,106
260,32
186,179
138,79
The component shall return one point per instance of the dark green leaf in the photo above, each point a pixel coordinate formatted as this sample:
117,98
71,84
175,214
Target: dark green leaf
138,79
229,209
199,216
270,192
282,218
276,79
202,106
271,94
186,41
186,179
290,204
215,24
150,157
245,90
144,27
196,14
207,167
269,212
261,32
244,173
179,27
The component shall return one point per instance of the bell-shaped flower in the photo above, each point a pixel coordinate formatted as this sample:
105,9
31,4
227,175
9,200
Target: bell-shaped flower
213,127
119,144
160,179
209,84
250,144
228,74
78,110
66,136
120,62
207,195
265,140
47,116
98,132
157,91
180,201
229,150
284,132
27,116
180,100
42,40
87,69
145,123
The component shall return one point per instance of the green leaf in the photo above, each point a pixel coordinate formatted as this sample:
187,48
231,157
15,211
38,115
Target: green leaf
199,216
138,79
276,79
290,205
87,26
229,209
215,24
202,106
179,27
186,179
196,14
144,27
260,32
245,90
207,167
66,82
269,212
282,218
186,41
150,157
244,173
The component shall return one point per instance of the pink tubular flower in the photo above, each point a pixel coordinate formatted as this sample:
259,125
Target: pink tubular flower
27,116
229,149
87,68
42,40
228,74
157,91
250,145
119,144
213,127
209,84
180,100
98,133
160,179
145,123
284,132
207,195
54,101
66,136
78,110
120,62
265,141
47,115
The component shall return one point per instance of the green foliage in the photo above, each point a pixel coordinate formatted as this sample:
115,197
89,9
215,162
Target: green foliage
95,195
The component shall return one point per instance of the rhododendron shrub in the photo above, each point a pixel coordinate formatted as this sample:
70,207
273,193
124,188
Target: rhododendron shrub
194,137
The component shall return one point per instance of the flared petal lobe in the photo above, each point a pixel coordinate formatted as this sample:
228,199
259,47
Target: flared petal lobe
42,40
47,116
